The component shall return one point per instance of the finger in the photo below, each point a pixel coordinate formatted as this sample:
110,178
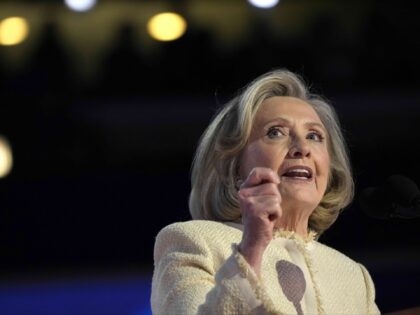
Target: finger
267,189
262,208
260,175
271,208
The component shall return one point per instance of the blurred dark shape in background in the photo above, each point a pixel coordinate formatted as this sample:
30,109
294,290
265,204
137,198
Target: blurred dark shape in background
124,69
101,160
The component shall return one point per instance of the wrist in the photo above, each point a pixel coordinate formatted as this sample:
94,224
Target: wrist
253,256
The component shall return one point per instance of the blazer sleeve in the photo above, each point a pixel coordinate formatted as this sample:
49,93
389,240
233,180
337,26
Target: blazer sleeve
185,280
372,308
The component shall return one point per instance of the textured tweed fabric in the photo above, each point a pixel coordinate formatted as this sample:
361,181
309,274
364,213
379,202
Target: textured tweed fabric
199,271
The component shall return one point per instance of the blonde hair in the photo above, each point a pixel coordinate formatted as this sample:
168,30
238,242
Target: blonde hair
215,166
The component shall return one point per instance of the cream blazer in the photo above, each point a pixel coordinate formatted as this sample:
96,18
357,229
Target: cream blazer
198,270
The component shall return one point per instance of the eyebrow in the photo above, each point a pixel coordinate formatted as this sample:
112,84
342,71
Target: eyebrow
316,124
309,124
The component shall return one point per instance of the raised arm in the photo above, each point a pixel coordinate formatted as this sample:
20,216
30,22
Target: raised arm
190,279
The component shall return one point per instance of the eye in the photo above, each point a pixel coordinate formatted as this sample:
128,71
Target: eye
275,132
315,136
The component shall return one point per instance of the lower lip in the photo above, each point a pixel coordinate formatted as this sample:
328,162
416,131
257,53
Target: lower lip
297,179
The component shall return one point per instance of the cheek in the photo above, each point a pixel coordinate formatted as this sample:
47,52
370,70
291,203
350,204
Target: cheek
322,159
326,164
324,168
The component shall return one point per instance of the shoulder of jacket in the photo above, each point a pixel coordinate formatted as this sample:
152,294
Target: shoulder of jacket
200,227
211,232
332,254
195,236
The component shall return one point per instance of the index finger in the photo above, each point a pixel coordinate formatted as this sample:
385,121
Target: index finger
261,175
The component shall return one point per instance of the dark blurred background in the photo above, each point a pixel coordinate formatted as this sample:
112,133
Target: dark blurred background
103,121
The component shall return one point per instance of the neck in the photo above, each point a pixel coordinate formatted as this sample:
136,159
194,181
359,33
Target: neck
295,220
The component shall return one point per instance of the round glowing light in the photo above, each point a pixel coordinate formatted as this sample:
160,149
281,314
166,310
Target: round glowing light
80,5
264,4
13,31
166,26
6,160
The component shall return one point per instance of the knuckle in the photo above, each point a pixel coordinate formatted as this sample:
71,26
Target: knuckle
276,200
244,193
248,204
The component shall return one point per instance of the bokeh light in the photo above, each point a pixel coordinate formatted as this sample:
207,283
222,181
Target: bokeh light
80,5
264,4
166,26
6,159
13,31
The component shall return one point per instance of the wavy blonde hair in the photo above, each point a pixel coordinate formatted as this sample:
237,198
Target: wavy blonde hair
215,167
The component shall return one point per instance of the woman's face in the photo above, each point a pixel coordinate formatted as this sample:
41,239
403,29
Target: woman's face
289,138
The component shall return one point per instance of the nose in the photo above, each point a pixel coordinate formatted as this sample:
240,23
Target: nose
299,149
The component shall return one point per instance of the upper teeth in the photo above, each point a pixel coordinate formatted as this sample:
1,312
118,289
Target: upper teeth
301,171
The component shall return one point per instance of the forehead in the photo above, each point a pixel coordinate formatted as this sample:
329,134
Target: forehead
290,108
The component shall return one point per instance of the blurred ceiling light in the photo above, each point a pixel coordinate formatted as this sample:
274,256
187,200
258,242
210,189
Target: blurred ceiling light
80,5
166,26
6,160
264,4
13,31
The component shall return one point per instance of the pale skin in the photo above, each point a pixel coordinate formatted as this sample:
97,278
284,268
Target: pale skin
284,168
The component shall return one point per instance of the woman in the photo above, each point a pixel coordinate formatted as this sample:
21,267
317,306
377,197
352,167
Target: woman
270,175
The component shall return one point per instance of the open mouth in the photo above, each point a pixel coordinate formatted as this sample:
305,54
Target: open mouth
298,172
